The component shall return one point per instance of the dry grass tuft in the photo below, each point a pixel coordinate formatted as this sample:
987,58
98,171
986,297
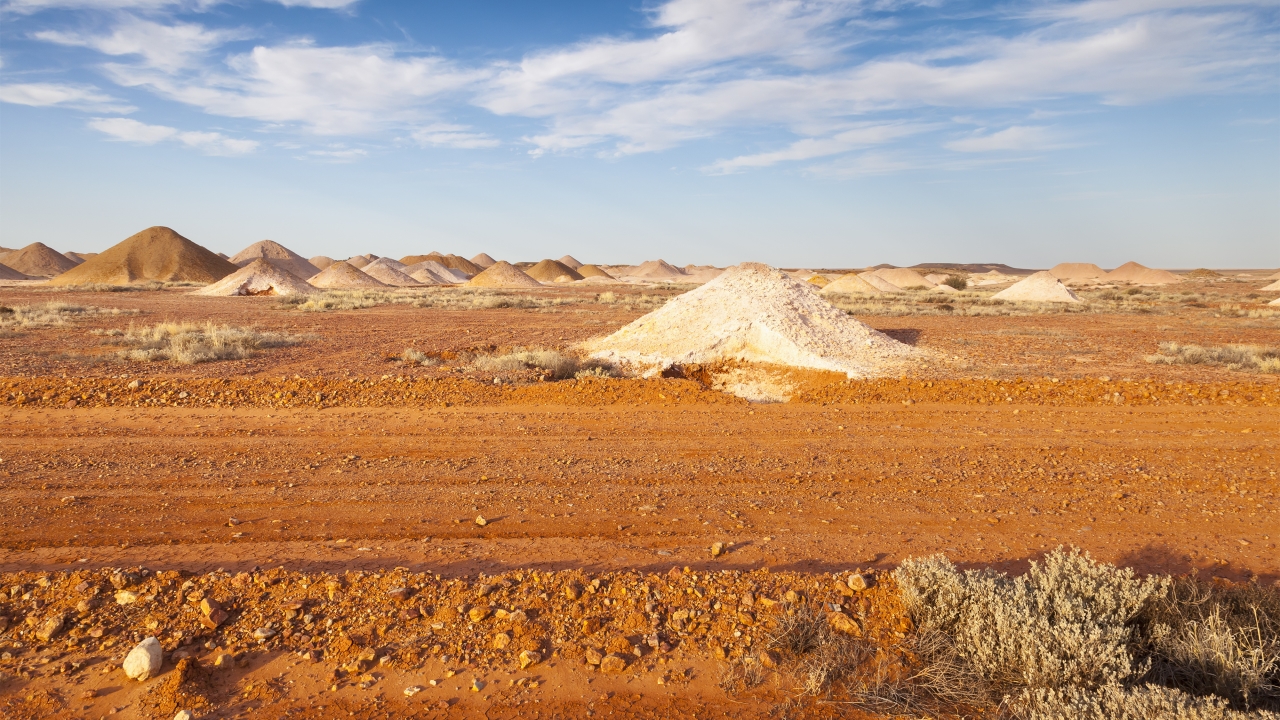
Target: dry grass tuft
1256,358
553,364
462,298
50,314
191,343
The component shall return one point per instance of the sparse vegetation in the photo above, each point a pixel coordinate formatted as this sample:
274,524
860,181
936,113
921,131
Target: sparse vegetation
463,298
956,282
149,286
191,343
1254,358
51,314
553,364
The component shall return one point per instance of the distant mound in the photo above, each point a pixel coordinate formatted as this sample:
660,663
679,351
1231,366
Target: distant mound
73,257
278,255
1077,271
752,313
409,260
994,277
433,273
973,268
1135,274
359,261
38,260
385,270
1273,287
879,283
905,277
259,277
501,275
483,260
550,271
1204,273
321,261
656,270
818,280
570,261
343,276
8,273
588,271
155,254
851,284
457,262
1040,287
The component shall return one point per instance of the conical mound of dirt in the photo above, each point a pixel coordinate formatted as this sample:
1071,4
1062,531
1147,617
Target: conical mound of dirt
321,262
409,260
1273,276
905,277
457,262
278,255
850,284
818,280
588,271
259,277
944,289
1135,274
155,254
343,276
1275,286
435,272
936,278
483,260
879,283
38,260
359,261
701,275
1274,302
656,270
503,274
73,257
8,273
1077,271
1040,287
550,271
570,261
385,270
753,313
993,277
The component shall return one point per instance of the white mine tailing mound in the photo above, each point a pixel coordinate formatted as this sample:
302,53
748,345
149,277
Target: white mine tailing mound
570,261
484,260
752,313
905,277
259,277
1136,274
851,284
278,255
878,282
1040,287
321,262
503,274
656,270
1274,302
385,270
359,261
1077,271
343,276
1273,286
431,272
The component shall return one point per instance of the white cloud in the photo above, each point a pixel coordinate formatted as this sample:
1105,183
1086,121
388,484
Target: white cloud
339,154
809,148
454,136
166,47
1016,137
78,97
210,143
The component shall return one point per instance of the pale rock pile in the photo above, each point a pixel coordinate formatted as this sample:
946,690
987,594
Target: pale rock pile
851,284
390,272
936,278
483,260
359,261
570,262
752,313
1275,286
993,277
1135,274
943,289
259,277
430,272
1077,271
879,283
343,276
905,277
656,271
503,274
321,261
1039,287
278,255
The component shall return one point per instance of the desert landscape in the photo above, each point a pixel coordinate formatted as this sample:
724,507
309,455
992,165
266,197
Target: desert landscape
262,485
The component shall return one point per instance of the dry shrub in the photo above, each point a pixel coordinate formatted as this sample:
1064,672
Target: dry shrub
51,314
1255,358
147,286
553,363
341,300
417,357
191,343
1117,702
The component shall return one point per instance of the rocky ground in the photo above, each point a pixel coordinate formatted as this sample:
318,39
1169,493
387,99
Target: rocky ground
313,531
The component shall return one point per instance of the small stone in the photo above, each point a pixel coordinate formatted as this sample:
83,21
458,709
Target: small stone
769,659
264,633
717,549
861,581
594,656
134,385
214,619
529,658
477,685
481,521
843,623
573,591
591,626
501,641
183,715
51,627
791,597
223,661
413,690
399,593
613,663
478,613
126,597
144,660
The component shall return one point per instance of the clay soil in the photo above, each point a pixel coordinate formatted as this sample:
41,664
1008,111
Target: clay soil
331,493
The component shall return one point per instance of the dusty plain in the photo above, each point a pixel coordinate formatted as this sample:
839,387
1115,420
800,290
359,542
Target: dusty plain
330,472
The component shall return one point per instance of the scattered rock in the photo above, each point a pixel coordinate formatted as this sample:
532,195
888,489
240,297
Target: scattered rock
183,715
717,549
51,627
613,663
594,656
501,641
477,685
861,581
591,626
264,633
399,593
573,591
481,521
478,614
843,623
769,659
413,690
144,660
529,658
126,597
214,618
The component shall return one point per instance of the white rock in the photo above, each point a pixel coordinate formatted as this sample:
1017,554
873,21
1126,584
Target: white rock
183,715
144,660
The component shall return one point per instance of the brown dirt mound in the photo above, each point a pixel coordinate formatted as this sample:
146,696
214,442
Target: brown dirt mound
259,277
415,259
552,271
359,261
503,274
433,273
570,261
39,260
483,260
8,273
278,255
587,271
457,262
878,282
656,270
1040,287
73,257
851,283
1132,272
904,277
818,280
155,254
384,270
1077,271
321,262
343,275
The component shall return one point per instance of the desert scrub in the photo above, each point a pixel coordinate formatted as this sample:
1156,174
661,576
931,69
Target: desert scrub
51,314
148,286
552,364
1251,358
417,357
191,343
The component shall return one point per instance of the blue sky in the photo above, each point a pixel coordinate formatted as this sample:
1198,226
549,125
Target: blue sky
829,133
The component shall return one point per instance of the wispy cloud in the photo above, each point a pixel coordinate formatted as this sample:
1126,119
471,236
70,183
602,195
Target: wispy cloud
166,47
454,136
77,97
1017,137
210,143
34,6
810,148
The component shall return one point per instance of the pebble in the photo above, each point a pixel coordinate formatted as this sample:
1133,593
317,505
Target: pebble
264,633
529,658
860,581
613,663
501,641
413,690
183,715
481,521
51,627
126,597
144,660
717,549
